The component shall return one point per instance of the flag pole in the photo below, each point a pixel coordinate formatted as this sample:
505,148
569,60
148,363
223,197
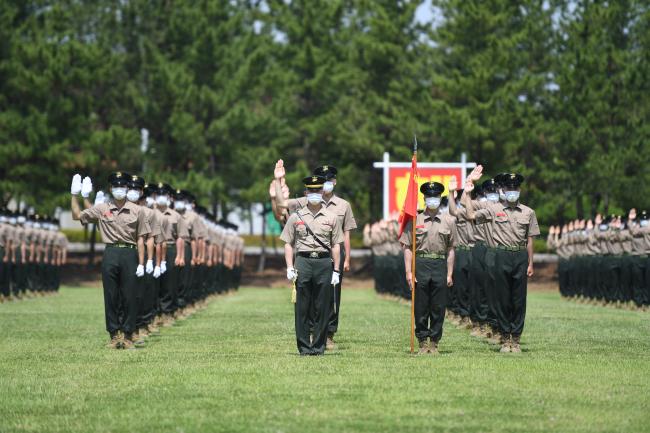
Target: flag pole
413,229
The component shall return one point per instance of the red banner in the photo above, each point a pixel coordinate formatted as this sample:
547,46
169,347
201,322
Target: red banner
398,179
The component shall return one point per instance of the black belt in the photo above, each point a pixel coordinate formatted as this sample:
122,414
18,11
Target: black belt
122,245
314,254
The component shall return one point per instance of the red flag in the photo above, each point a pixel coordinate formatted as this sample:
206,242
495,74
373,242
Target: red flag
410,208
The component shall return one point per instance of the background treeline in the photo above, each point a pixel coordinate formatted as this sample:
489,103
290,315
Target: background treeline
557,90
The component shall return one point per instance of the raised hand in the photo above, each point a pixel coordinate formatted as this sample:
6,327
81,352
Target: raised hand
476,173
469,186
590,225
86,187
279,171
272,189
632,214
75,187
453,185
599,219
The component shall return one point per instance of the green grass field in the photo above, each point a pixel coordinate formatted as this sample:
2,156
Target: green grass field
233,367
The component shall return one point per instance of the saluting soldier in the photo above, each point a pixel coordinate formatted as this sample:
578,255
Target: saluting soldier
435,237
512,226
314,234
123,226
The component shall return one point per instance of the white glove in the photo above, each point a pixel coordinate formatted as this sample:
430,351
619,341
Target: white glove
163,266
140,271
149,268
291,274
156,272
336,278
99,197
75,188
86,187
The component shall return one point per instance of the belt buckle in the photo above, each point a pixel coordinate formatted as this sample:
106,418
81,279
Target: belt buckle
313,255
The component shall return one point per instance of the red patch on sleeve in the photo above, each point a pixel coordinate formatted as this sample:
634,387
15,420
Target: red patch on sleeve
501,214
300,223
108,214
420,227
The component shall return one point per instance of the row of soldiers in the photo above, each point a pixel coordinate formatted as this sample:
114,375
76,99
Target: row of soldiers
165,256
32,251
473,256
605,261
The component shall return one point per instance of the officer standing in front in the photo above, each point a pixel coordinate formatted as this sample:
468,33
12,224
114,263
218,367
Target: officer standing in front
315,234
123,226
435,238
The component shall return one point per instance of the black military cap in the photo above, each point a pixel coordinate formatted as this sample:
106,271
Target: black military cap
432,189
314,182
327,171
500,178
513,180
489,185
163,189
644,215
201,210
136,182
476,192
188,196
149,189
119,178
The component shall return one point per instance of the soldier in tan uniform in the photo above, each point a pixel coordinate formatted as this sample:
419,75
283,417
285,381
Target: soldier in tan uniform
5,254
640,231
123,226
435,237
512,226
176,238
314,234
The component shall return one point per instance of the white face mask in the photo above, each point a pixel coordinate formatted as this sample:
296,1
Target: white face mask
643,223
492,196
512,196
482,199
12,221
502,196
21,220
328,186
314,197
150,201
3,219
432,202
37,225
179,205
133,195
119,193
162,200
603,227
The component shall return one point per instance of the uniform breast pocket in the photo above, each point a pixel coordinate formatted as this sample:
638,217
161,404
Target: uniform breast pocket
130,221
444,236
301,231
522,228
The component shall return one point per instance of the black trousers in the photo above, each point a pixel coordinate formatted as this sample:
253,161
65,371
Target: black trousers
479,283
313,303
508,270
461,287
431,294
333,324
185,278
120,288
169,282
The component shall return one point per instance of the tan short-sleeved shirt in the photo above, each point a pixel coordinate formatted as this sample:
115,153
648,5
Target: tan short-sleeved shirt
602,238
154,221
118,225
614,240
174,227
433,234
294,204
195,226
641,238
62,241
19,235
343,211
508,226
324,224
464,228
